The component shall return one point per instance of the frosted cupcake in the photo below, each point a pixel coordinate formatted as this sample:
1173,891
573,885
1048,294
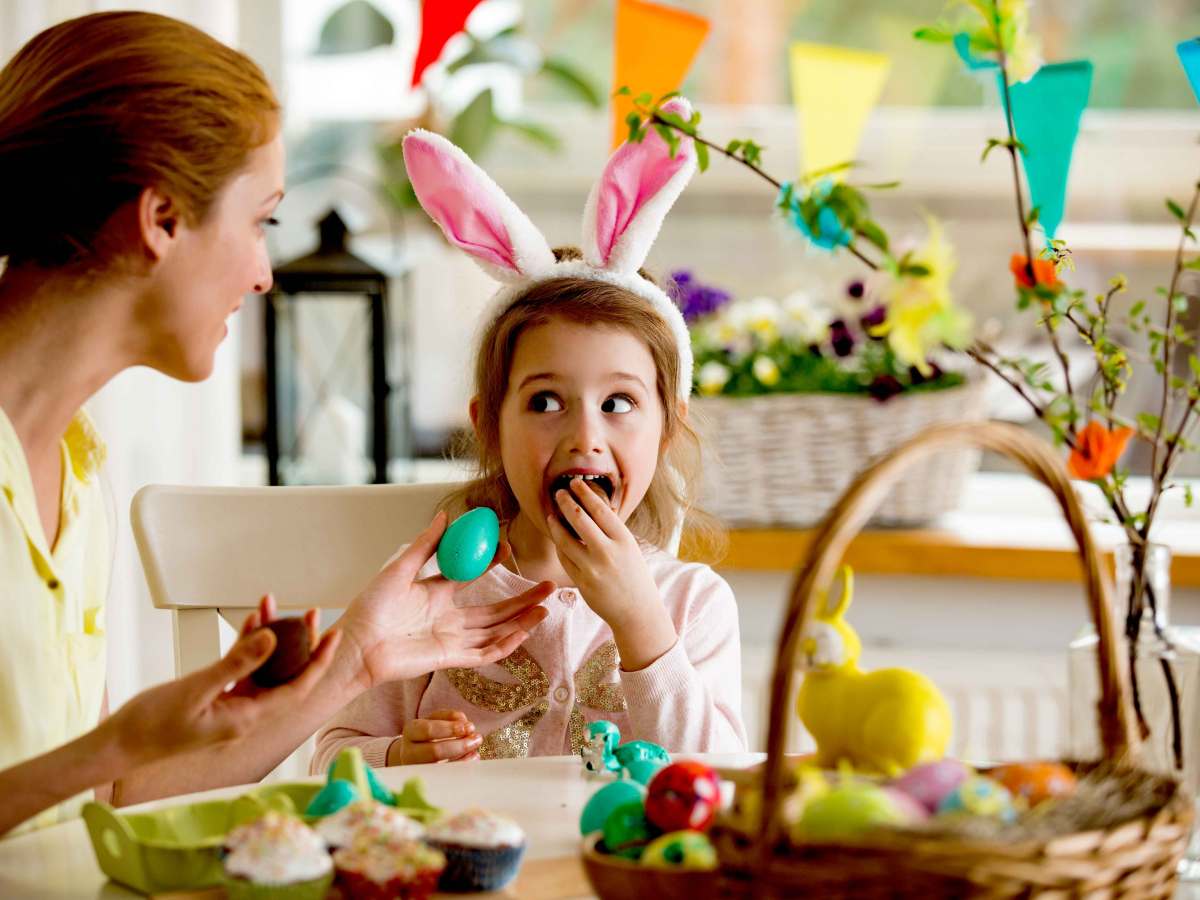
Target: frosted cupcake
381,867
341,828
483,850
276,857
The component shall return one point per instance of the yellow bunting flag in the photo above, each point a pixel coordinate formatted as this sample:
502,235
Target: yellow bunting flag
654,49
834,90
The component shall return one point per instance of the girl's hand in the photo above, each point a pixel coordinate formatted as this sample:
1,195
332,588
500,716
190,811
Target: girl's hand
445,736
399,627
216,704
608,566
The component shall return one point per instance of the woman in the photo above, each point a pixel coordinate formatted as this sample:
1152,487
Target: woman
140,162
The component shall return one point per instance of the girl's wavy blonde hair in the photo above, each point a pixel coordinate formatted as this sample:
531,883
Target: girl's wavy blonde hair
671,497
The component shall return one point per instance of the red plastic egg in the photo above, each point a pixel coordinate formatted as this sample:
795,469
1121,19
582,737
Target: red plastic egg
683,796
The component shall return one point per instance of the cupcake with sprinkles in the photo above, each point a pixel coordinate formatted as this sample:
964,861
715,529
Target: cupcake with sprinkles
367,817
378,866
276,857
483,850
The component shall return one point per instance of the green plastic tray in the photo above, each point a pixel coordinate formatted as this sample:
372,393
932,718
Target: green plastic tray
179,847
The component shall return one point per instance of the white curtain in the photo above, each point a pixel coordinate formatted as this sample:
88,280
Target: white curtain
157,429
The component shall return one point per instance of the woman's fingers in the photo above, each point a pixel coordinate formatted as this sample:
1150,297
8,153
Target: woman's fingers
419,552
244,657
312,619
503,610
503,552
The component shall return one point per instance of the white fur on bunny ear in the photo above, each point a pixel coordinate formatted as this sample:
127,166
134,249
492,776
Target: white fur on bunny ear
472,211
640,183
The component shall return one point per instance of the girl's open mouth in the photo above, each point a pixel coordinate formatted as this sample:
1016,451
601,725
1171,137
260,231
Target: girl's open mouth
603,485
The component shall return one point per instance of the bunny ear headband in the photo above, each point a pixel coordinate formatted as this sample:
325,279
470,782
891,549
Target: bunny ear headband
622,217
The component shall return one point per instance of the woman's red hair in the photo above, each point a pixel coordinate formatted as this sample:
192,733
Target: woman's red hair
98,108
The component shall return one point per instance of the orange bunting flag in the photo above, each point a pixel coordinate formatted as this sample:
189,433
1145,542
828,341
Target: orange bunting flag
1043,271
1096,451
440,21
654,48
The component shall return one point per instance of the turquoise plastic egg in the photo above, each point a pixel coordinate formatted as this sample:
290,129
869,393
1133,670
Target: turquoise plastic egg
643,770
469,544
331,798
979,796
605,800
627,831
848,810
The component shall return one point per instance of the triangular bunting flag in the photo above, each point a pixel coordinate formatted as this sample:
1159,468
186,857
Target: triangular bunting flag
1046,112
440,21
654,48
834,91
1189,55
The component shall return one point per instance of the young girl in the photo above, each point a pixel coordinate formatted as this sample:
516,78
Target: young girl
581,388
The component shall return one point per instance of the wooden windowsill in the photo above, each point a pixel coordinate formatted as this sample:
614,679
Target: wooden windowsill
1007,529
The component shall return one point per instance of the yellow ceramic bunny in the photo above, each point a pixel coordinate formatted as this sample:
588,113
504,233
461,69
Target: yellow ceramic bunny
885,721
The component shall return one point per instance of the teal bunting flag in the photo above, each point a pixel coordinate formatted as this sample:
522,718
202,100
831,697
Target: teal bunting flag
1189,56
1046,113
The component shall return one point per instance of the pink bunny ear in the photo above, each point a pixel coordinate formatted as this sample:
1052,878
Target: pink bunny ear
626,208
472,211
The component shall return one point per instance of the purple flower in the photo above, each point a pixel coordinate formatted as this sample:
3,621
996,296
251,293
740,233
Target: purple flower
841,338
915,376
694,299
885,387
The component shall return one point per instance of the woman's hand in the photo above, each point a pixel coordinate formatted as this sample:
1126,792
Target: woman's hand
607,565
400,627
445,735
218,703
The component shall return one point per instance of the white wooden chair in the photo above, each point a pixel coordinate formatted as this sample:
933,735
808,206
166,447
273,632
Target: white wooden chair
211,552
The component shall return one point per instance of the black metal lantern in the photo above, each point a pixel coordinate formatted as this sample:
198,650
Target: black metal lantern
303,383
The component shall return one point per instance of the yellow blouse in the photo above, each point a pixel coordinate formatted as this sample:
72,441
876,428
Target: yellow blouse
52,642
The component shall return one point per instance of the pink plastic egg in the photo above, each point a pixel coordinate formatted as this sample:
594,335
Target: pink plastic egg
930,783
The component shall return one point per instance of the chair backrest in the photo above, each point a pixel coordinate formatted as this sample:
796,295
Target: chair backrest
209,547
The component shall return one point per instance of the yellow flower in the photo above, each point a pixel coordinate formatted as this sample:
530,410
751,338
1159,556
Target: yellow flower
920,312
765,371
712,378
1022,51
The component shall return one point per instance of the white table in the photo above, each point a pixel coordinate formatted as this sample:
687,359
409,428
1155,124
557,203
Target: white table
545,795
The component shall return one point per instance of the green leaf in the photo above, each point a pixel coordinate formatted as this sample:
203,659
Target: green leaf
918,270
574,80
830,170
882,185
355,27
701,156
992,144
1148,422
1192,264
535,132
1176,210
732,147
874,234
1187,495
643,99
623,91
474,127
1032,218
933,35
509,50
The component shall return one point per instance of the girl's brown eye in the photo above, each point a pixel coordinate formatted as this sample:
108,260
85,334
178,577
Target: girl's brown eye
545,402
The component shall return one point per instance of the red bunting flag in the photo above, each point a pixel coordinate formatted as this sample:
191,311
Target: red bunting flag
440,21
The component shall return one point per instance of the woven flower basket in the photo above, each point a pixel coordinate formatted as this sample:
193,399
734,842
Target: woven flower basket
1133,857
783,459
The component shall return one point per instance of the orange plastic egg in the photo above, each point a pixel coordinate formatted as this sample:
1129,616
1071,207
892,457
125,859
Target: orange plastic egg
1036,782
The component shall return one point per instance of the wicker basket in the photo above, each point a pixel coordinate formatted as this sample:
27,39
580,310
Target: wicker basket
784,459
1136,858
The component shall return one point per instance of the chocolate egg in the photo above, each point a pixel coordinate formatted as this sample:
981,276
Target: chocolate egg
1035,782
469,545
930,783
291,653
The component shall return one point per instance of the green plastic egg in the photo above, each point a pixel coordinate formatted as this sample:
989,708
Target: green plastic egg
847,810
331,798
627,831
469,544
681,850
605,800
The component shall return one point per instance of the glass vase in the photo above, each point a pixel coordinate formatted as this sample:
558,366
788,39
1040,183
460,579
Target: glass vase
1164,664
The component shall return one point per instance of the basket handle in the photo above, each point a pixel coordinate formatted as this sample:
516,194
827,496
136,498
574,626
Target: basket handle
850,514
